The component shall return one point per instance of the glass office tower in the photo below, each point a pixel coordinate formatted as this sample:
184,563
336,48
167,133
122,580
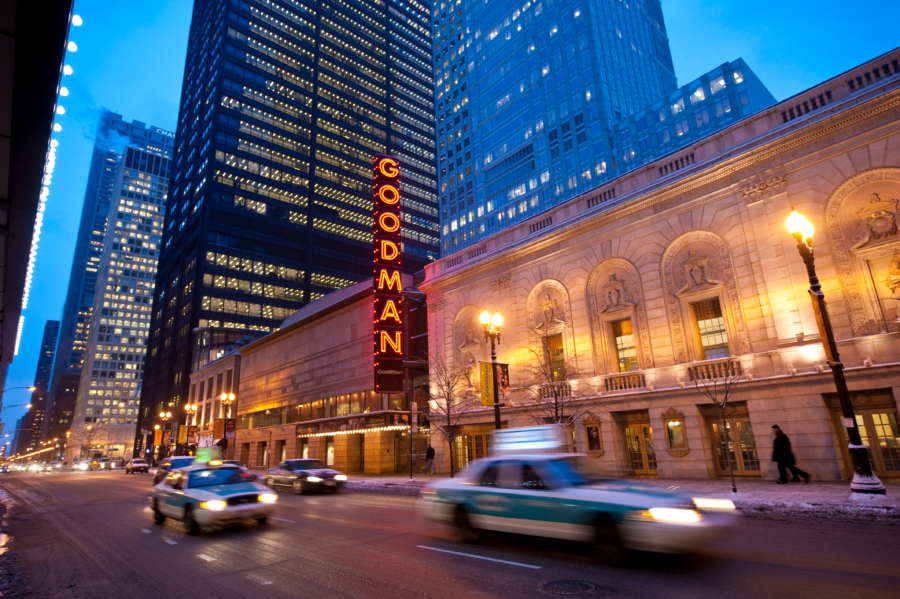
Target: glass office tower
527,93
107,395
113,135
284,105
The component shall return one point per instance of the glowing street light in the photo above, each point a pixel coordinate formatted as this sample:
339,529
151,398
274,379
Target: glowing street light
492,326
864,480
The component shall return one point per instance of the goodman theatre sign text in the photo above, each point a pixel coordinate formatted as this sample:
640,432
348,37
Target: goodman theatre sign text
388,296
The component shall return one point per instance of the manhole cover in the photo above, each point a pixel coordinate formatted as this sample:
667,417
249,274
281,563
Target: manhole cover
568,587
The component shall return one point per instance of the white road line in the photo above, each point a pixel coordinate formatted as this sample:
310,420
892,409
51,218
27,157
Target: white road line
384,507
206,557
259,580
490,559
171,542
145,531
282,520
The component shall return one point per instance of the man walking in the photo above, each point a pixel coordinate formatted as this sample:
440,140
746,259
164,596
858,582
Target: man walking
784,457
429,460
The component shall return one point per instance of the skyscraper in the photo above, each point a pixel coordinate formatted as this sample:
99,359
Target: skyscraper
113,135
120,315
37,417
529,95
284,105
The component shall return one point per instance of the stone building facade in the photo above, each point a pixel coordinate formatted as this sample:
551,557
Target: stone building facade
683,270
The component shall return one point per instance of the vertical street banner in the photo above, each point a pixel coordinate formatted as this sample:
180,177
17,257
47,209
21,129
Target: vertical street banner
219,428
182,434
502,377
157,437
487,383
388,304
230,428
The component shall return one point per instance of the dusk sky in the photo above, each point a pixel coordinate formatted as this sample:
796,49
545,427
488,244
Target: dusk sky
131,54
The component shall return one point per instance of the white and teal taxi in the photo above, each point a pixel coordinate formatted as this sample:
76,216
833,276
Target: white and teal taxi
208,494
558,496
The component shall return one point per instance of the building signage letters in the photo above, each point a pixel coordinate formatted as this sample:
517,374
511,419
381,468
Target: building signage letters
388,304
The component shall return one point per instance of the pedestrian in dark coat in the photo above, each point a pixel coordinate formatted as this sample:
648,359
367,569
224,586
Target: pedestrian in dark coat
784,457
429,460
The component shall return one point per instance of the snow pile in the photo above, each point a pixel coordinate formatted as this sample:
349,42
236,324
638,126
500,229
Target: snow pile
883,510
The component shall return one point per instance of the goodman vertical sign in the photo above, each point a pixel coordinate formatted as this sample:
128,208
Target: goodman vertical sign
388,291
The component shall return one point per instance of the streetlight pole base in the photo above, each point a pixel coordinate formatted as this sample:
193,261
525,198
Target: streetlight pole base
867,485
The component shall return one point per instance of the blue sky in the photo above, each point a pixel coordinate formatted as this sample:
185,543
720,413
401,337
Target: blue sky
131,55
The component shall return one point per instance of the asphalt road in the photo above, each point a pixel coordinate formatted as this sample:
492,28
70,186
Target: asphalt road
75,535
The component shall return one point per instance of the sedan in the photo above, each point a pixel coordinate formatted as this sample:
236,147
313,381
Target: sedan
557,496
137,465
305,476
207,495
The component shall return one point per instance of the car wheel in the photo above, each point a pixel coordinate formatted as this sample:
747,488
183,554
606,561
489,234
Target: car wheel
189,522
608,544
270,483
298,487
467,532
262,520
158,516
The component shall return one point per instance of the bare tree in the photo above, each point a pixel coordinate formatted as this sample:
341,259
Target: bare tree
84,433
450,400
718,383
554,389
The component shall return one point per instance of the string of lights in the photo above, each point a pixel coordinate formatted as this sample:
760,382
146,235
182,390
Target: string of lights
395,427
49,166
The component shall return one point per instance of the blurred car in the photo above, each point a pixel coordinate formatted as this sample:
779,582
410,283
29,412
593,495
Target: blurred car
206,495
55,465
558,496
4,469
305,476
81,464
38,467
137,465
105,464
168,464
243,468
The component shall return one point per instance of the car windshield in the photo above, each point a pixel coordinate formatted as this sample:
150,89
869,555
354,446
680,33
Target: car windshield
216,476
304,465
574,470
181,463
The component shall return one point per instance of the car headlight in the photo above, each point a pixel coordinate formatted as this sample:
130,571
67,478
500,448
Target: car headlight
340,477
314,479
674,515
707,503
268,497
215,505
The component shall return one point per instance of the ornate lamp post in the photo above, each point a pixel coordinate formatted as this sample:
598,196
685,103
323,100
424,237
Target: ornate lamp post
492,326
228,399
190,410
864,480
165,416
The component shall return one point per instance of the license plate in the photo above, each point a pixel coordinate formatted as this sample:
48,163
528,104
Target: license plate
329,483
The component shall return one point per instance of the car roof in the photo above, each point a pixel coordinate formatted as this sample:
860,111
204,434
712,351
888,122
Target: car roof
204,467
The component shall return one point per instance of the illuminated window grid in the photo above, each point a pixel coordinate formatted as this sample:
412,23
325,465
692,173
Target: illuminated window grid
342,72
350,105
281,140
337,55
711,327
347,134
277,121
270,20
623,333
269,154
252,205
355,153
356,25
343,231
254,266
365,43
252,287
257,188
330,281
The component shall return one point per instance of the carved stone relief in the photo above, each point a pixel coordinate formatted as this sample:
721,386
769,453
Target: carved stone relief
468,342
764,189
861,225
678,272
620,276
549,311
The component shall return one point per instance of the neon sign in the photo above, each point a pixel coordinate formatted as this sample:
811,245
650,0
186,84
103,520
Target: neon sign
388,309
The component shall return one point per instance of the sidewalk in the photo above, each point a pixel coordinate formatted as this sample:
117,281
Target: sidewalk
756,498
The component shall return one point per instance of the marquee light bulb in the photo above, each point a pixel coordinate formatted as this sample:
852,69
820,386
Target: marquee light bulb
76,20
72,47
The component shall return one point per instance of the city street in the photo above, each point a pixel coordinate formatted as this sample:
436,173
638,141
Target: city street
91,535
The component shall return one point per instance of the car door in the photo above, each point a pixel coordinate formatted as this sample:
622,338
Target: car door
164,500
281,474
533,504
489,507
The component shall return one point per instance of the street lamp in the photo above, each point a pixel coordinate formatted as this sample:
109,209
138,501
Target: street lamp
864,480
228,399
492,326
27,406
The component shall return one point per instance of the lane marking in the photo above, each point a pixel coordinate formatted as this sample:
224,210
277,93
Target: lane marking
171,542
206,557
490,559
384,507
259,580
282,519
145,531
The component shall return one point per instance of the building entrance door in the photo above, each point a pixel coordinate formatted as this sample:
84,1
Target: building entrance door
640,448
881,435
879,427
736,439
